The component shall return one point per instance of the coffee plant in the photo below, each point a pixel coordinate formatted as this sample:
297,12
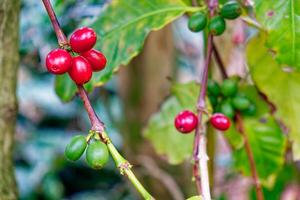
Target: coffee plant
257,112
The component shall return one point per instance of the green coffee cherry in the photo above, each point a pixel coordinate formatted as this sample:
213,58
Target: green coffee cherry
213,100
229,87
240,103
213,88
231,10
197,22
250,111
227,109
75,148
97,154
217,25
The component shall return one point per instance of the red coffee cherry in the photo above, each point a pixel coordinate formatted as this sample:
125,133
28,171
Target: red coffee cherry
220,121
81,70
186,121
96,59
58,61
83,39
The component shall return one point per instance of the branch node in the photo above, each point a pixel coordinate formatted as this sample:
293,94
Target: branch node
123,167
203,110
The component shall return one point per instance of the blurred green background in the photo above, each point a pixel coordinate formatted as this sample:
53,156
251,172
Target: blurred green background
45,124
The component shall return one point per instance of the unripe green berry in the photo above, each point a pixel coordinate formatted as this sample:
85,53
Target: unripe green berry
250,111
213,100
240,103
75,148
197,22
217,25
227,109
229,87
231,10
97,154
213,88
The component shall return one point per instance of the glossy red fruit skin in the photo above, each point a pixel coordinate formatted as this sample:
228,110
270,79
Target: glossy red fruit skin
58,61
81,70
96,59
83,39
186,121
220,121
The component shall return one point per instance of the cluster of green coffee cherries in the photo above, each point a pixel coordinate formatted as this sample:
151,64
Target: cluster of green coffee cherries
97,154
227,99
216,25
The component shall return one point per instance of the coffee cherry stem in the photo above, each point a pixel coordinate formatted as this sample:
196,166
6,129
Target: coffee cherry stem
204,111
97,124
125,169
90,136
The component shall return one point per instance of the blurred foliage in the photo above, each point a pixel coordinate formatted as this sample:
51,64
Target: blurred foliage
195,198
45,125
281,85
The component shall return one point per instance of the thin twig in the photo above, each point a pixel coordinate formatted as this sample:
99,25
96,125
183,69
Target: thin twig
219,62
253,23
97,125
167,180
249,152
240,127
61,37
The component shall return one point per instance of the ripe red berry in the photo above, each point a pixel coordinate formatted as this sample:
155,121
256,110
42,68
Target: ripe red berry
186,121
220,121
83,39
96,59
81,70
58,61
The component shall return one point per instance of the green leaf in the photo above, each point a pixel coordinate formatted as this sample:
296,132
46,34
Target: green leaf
161,131
268,147
195,198
281,19
234,138
122,29
280,85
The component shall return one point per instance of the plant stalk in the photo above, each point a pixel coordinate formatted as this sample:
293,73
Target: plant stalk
200,170
61,37
96,124
258,189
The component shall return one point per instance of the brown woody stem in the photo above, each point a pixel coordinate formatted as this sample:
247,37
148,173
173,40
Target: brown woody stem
240,127
199,149
61,37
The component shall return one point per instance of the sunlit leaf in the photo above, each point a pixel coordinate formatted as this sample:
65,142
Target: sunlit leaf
281,19
122,28
280,85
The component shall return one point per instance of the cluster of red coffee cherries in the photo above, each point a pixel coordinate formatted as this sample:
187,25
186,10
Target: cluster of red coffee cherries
85,59
186,121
